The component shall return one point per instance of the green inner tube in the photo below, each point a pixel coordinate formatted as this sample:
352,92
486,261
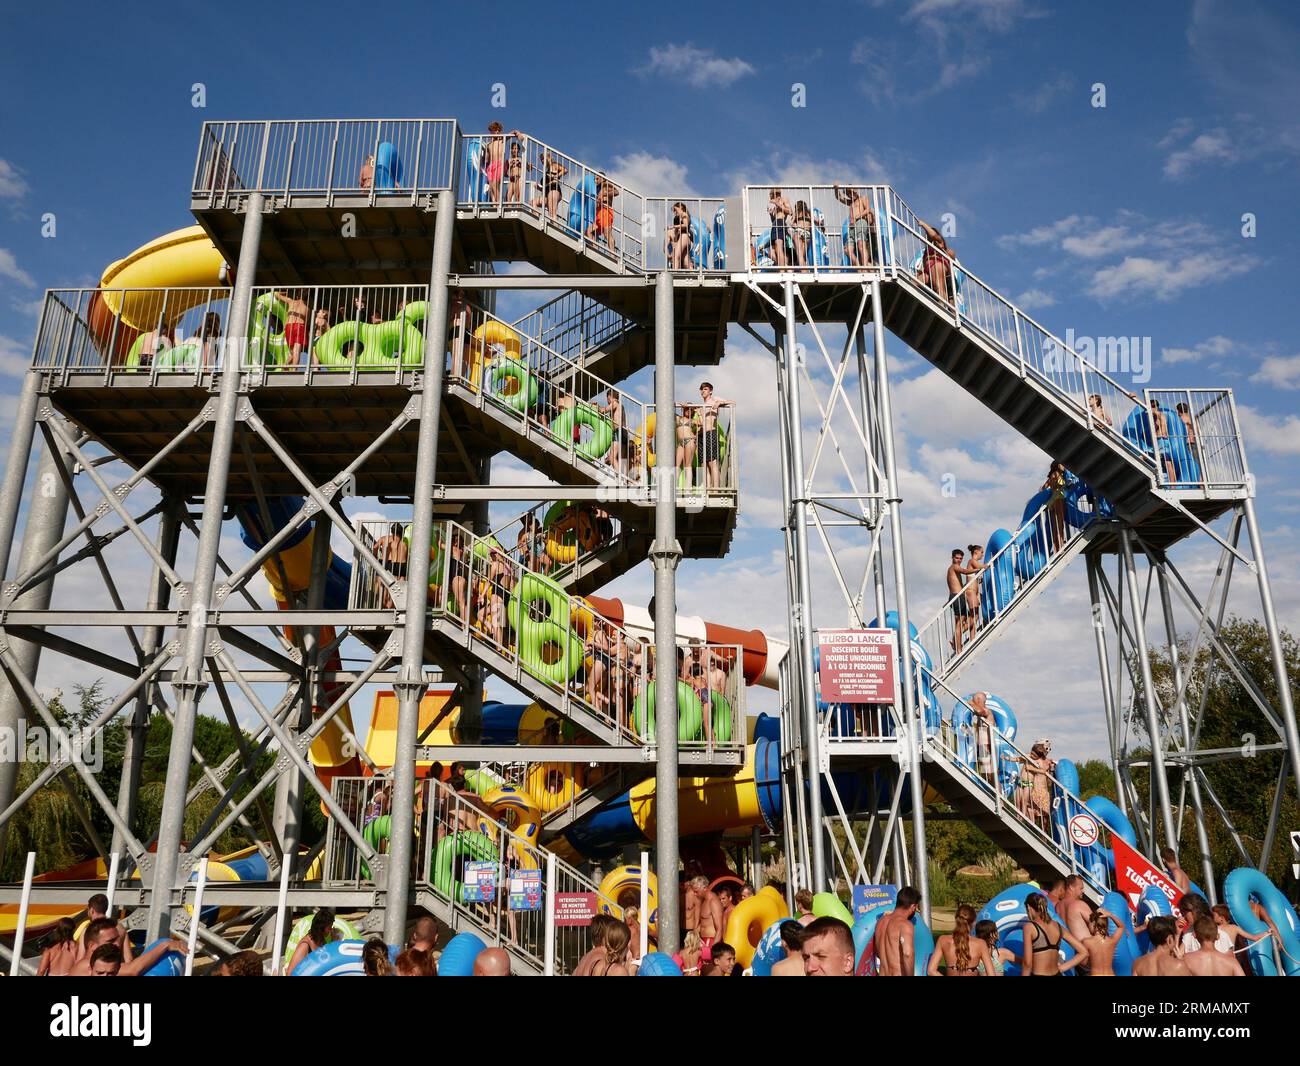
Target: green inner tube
468,845
552,603
378,344
266,343
549,652
510,382
374,833
602,430
183,356
484,545
721,717
690,713
435,558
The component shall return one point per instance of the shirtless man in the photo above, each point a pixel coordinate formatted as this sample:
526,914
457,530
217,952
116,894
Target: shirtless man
826,949
1176,873
1056,893
983,724
895,945
393,551
956,579
1208,960
1161,428
295,325
724,961
708,917
1101,944
104,937
706,437
803,901
862,226
792,934
97,908
423,935
1076,914
1165,959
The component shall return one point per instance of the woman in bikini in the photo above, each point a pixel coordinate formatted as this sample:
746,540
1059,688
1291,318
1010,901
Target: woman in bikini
1056,503
516,165
677,241
999,956
686,444
690,958
963,955
60,955
603,227
614,962
601,669
1101,944
1043,936
1038,767
936,262
553,172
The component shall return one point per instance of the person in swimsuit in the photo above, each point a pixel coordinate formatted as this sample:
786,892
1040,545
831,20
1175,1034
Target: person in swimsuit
956,578
801,233
1042,940
1101,944
1165,959
826,947
792,941
614,961
963,955
1208,960
685,431
999,956
393,551
319,933
492,158
778,211
1235,934
1055,483
516,166
708,916
974,575
366,176
60,955
1076,913
553,171
600,923
862,226
618,448
1038,800
295,325
601,669
895,937
707,440
1098,411
723,961
982,724
603,226
1160,425
677,241
689,959
500,579
459,575
937,260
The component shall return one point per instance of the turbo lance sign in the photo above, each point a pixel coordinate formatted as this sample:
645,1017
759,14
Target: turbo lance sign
857,665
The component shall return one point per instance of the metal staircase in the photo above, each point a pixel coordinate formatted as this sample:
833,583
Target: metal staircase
455,828
1012,579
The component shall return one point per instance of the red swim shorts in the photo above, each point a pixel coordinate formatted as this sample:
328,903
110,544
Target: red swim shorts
295,333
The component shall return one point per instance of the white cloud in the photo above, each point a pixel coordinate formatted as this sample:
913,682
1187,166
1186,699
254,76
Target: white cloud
1099,243
15,357
1041,98
701,68
1279,371
1274,434
1212,146
10,269
12,184
1034,299
651,175
1040,235
1165,279
1210,347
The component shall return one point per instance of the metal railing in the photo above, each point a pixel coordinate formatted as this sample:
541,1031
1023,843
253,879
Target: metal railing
574,325
515,171
986,596
556,537
686,235
526,618
380,159
995,766
814,229
1196,436
456,828
602,427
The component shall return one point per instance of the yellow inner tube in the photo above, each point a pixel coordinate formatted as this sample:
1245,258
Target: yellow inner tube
488,336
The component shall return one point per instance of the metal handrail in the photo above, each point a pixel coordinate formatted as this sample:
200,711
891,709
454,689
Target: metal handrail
574,325
938,634
514,528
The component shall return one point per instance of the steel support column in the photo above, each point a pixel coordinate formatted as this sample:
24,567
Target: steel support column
189,684
411,688
1103,663
915,724
665,554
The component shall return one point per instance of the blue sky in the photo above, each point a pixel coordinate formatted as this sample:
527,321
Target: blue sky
1122,220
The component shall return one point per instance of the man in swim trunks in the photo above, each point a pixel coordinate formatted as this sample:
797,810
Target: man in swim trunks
895,936
956,579
706,439
393,551
1208,960
1165,959
493,158
862,226
792,934
708,917
295,325
778,210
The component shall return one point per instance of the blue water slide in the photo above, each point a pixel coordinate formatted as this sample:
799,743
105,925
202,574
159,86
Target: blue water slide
1239,888
999,584
338,578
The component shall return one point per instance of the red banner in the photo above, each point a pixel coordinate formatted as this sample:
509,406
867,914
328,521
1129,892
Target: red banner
1134,874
